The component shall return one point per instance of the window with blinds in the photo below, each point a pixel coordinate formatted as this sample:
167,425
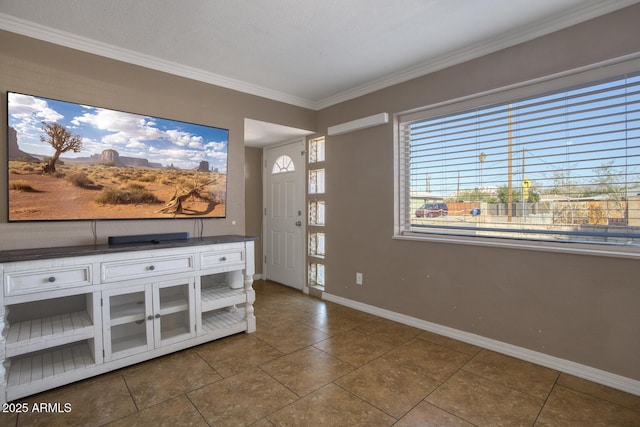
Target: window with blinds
563,166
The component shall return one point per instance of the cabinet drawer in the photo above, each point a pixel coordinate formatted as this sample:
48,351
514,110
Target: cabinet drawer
147,267
50,279
222,259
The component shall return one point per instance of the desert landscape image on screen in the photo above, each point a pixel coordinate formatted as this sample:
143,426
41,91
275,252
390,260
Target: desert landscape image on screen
68,161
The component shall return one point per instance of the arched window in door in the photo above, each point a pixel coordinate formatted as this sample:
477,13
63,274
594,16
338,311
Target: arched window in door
283,164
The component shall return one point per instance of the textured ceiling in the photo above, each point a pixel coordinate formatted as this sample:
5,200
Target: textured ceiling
309,53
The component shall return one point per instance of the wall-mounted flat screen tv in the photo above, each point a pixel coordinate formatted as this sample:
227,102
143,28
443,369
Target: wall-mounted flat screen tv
70,161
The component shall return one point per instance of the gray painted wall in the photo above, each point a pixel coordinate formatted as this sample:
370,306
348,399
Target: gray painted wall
576,307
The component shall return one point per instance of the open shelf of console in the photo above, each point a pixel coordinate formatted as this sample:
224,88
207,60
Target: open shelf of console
223,318
37,334
216,292
41,370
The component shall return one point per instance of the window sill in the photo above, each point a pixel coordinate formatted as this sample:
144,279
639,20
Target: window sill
630,252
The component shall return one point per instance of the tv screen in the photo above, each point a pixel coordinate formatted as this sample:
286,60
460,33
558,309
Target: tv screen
70,161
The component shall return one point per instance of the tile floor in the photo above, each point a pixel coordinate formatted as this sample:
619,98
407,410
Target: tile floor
315,363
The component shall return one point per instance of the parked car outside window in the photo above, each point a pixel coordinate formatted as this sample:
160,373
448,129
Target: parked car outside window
430,210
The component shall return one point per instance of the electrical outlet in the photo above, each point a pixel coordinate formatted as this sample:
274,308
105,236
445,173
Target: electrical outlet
358,278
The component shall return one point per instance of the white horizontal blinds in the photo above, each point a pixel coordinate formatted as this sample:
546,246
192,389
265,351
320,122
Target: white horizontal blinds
568,162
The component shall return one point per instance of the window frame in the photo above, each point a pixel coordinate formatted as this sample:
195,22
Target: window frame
316,161
288,167
537,87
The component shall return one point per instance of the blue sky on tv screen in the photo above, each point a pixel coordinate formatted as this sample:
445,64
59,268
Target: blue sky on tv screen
160,141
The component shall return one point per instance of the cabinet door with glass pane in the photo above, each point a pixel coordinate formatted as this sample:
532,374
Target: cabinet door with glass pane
128,321
143,317
173,311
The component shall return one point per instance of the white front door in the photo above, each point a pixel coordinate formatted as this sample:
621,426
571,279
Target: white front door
285,214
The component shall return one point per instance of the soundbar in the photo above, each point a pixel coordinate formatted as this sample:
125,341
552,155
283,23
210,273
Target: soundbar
147,238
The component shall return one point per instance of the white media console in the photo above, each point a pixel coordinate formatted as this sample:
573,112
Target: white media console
70,313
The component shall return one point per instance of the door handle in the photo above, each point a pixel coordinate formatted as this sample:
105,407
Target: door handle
299,223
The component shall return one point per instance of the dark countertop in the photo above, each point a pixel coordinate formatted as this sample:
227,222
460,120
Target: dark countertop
88,250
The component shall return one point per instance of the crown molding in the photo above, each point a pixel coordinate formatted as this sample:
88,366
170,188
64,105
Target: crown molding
529,32
62,38
561,21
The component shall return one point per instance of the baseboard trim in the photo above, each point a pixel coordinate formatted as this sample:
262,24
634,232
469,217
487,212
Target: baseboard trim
583,371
